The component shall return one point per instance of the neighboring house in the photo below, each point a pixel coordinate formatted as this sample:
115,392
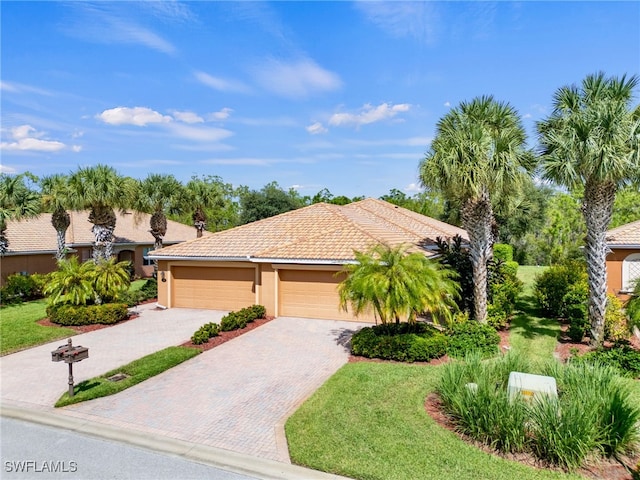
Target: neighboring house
33,242
623,259
289,262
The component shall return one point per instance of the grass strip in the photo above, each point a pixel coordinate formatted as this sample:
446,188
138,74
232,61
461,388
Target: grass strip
368,421
19,328
136,371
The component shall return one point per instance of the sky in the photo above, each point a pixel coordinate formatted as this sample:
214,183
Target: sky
338,95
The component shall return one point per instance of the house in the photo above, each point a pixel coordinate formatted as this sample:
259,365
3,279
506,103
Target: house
623,259
33,242
289,263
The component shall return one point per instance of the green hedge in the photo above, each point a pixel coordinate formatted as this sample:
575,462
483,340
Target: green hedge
472,336
239,319
205,332
620,356
403,342
75,315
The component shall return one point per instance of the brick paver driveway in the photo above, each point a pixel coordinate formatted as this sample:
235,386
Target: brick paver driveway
237,395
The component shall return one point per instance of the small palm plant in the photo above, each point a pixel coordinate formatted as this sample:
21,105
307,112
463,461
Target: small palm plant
72,283
397,286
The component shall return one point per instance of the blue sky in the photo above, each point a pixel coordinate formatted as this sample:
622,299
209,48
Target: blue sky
337,95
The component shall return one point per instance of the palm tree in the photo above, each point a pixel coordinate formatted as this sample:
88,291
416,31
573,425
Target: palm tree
101,189
202,194
591,140
159,194
17,201
110,279
72,283
477,157
397,285
54,190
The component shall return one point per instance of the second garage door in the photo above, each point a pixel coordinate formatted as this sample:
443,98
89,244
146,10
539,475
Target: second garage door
214,288
310,294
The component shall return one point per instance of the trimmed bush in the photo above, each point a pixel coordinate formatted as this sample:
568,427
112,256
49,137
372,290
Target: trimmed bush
401,342
616,327
551,286
22,288
503,252
76,315
574,309
205,332
465,338
240,319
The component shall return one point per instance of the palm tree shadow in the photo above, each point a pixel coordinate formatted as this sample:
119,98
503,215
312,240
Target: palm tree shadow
526,309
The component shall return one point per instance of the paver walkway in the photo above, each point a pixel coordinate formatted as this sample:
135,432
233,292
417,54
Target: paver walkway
235,396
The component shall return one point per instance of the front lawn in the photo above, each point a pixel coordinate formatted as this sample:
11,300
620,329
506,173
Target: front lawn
135,372
369,422
19,328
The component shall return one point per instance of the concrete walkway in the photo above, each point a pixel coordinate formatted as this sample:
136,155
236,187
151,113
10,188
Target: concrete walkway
236,396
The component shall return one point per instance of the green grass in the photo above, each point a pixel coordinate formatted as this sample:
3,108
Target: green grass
528,273
368,421
137,371
19,330
137,284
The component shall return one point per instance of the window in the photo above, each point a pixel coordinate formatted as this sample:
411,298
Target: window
145,252
630,271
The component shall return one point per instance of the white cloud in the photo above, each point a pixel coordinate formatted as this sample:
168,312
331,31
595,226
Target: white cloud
200,134
316,129
28,139
5,169
220,115
22,88
447,104
140,116
255,162
296,80
368,114
221,84
413,188
187,117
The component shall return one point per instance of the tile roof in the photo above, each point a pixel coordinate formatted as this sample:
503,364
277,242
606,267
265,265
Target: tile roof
37,235
319,232
625,235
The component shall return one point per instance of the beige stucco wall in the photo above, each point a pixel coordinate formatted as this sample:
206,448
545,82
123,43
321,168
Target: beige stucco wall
11,264
614,271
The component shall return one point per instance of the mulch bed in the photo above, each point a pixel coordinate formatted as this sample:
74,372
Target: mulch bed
226,336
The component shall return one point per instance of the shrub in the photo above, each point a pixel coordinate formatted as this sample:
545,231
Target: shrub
633,306
551,286
465,338
75,315
394,342
503,252
621,356
150,288
239,319
21,288
504,295
616,326
204,333
496,317
574,309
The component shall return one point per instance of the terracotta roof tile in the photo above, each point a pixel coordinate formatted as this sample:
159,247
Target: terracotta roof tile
627,235
38,235
319,232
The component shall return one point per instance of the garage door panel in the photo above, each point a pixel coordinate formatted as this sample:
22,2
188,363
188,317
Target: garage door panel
213,288
310,294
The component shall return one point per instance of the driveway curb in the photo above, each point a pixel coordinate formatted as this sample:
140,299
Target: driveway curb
225,459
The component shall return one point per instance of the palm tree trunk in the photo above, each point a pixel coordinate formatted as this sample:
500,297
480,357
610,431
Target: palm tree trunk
597,210
4,241
104,223
61,220
477,216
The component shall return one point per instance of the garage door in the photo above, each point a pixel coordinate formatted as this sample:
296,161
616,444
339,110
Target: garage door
310,294
213,288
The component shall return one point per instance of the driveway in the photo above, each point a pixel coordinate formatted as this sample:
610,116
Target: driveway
236,396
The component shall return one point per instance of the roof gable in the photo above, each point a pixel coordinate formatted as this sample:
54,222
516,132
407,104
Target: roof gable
319,232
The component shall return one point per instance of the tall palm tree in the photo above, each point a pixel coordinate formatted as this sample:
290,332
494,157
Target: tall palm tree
202,195
101,189
591,140
478,156
17,201
159,194
54,192
397,285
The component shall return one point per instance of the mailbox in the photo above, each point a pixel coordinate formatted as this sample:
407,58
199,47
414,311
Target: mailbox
76,354
58,353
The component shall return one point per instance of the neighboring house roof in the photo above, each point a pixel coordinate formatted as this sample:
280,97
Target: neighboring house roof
624,236
37,235
319,232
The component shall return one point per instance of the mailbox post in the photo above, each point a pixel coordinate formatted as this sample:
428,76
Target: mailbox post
70,354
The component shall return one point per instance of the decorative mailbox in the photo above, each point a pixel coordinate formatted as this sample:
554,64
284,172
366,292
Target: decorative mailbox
70,355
